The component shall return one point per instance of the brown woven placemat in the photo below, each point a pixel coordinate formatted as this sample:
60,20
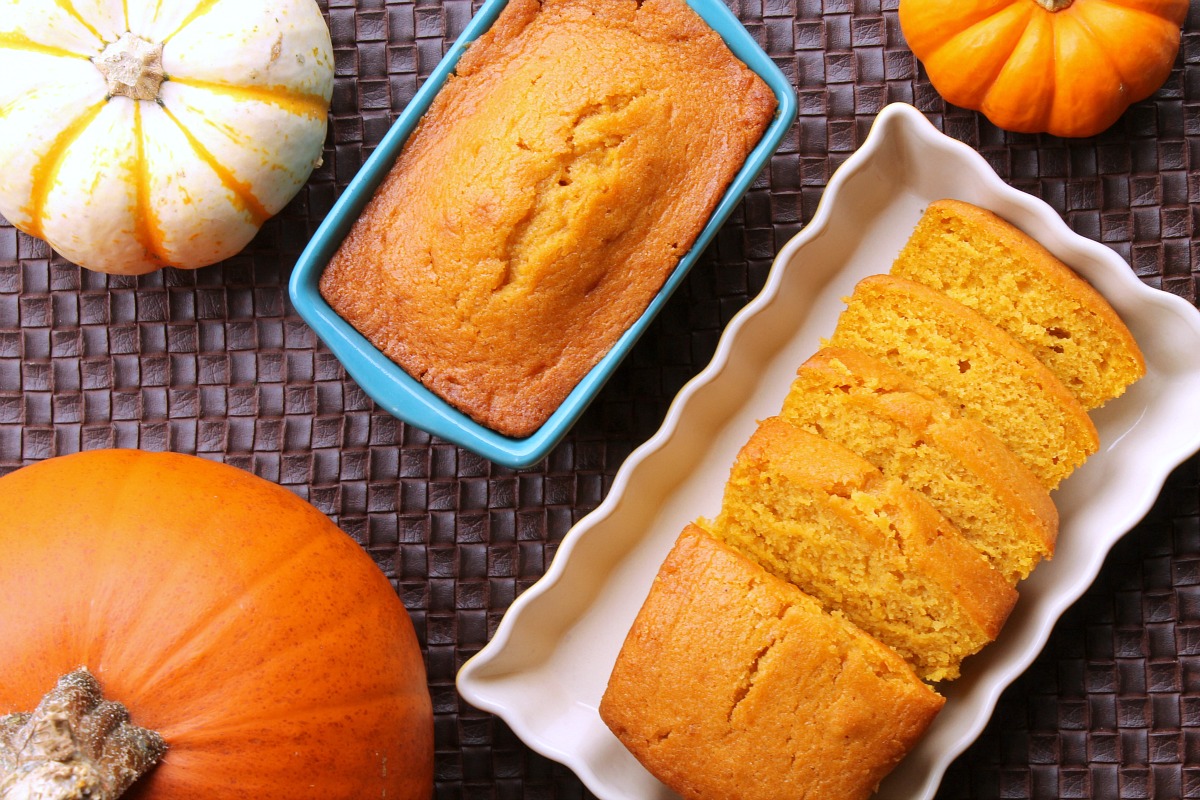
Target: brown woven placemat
216,362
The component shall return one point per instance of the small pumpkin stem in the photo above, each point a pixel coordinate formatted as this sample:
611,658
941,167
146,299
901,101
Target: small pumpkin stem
132,67
74,746
1054,5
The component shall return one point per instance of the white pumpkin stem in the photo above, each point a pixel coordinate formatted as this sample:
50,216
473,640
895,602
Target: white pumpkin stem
132,67
75,746
1054,5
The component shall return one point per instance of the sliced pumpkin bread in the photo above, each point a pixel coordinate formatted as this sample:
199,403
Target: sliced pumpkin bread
984,373
909,432
983,262
733,683
815,514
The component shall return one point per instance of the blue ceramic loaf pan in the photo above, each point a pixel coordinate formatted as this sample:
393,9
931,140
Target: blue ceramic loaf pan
404,397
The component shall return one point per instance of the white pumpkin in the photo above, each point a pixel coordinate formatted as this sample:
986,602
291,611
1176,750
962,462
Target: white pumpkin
138,134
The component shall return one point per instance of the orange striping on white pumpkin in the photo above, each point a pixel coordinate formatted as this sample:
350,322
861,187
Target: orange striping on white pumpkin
243,194
202,8
69,8
46,169
17,41
149,233
263,144
299,103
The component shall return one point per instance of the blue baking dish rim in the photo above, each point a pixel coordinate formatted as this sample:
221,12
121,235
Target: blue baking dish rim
404,397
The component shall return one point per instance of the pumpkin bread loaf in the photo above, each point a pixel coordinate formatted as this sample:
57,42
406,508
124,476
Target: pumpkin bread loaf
544,198
979,368
909,432
813,513
983,262
733,683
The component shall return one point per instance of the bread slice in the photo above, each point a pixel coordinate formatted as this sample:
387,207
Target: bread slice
813,513
909,432
979,368
733,683
985,263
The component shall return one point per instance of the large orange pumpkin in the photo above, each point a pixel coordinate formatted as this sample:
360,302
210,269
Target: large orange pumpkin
225,613
1067,67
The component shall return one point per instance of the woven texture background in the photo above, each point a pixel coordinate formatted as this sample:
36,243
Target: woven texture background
216,362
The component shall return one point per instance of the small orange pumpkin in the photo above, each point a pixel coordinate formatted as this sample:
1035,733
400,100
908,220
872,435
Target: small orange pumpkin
1066,67
225,613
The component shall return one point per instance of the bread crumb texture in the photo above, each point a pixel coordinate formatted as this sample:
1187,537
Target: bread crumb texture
872,534
979,368
910,433
983,262
544,198
815,514
734,684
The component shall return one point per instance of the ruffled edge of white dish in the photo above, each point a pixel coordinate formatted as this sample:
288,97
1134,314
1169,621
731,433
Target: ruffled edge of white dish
545,669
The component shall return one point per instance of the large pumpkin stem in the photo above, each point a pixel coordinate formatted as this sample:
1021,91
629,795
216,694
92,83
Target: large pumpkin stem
75,746
1054,5
132,67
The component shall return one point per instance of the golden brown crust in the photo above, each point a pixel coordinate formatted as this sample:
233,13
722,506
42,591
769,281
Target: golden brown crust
544,198
984,262
975,365
734,684
908,431
815,514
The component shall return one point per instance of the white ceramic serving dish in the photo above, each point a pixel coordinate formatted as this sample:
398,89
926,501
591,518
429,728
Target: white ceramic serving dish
546,668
